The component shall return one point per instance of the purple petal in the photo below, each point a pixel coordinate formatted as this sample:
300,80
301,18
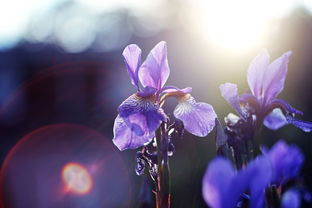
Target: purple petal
130,134
132,56
274,78
222,187
291,199
197,118
286,162
146,106
256,71
286,107
229,92
259,175
305,126
275,119
147,91
221,137
173,89
216,182
154,72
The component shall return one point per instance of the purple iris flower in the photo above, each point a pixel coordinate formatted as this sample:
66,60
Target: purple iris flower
266,80
286,162
223,186
140,115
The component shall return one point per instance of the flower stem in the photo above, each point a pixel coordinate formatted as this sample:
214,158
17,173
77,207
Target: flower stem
163,176
257,138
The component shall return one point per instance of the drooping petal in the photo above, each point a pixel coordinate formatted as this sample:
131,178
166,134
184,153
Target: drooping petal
132,56
147,106
286,162
174,89
275,119
130,134
256,71
198,118
305,126
282,104
154,72
274,77
291,199
216,182
229,92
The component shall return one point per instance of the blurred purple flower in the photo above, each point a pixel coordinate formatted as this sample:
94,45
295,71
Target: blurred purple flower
286,161
291,199
223,186
141,114
266,80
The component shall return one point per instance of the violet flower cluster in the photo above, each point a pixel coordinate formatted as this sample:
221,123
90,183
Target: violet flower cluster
256,180
263,181
141,114
224,187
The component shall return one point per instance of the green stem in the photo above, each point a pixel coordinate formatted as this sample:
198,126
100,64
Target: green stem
163,178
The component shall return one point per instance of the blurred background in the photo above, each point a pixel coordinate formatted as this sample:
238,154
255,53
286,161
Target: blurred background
62,77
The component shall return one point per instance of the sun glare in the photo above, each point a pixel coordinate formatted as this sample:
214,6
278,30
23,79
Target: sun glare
240,24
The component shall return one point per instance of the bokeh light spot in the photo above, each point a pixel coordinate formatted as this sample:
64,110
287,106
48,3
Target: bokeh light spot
76,178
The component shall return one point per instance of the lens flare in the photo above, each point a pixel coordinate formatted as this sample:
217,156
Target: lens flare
76,178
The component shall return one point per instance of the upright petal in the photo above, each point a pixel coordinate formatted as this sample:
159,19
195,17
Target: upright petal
256,71
154,72
229,92
129,134
274,78
132,56
216,182
197,118
275,119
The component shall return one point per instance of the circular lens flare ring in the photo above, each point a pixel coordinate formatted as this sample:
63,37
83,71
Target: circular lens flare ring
76,178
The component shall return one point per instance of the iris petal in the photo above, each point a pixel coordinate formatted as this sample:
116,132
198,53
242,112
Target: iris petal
275,119
258,173
305,126
197,118
256,72
286,107
154,72
216,182
132,56
275,75
291,199
129,134
147,106
222,186
174,89
286,162
230,94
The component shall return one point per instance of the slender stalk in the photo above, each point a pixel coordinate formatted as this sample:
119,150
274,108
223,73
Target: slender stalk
163,176
257,137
